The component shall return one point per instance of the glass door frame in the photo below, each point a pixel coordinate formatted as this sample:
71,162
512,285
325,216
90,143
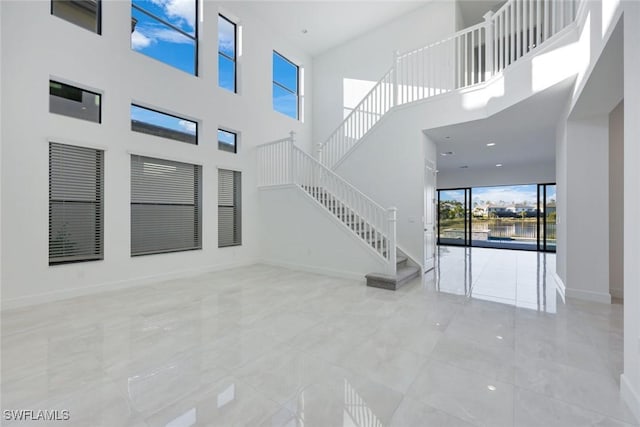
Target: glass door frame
467,216
542,217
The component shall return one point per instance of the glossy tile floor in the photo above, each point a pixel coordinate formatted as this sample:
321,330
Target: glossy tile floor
274,347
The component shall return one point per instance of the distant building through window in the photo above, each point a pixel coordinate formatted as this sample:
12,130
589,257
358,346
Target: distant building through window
165,125
227,41
166,33
74,102
285,86
84,13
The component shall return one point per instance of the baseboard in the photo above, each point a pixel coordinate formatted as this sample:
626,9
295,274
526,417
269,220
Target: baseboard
630,396
316,270
560,287
31,300
601,297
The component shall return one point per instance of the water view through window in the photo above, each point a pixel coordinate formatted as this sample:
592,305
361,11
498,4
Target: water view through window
508,217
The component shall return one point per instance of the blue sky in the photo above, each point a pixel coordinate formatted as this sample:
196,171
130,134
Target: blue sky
163,120
508,194
157,40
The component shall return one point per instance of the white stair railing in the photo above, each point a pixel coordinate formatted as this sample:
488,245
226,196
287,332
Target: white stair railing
464,59
282,163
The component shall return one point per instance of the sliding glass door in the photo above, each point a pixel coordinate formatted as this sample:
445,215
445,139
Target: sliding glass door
454,227
507,217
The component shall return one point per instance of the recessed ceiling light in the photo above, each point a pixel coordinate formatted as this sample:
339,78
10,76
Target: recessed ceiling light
499,165
491,144
447,153
491,387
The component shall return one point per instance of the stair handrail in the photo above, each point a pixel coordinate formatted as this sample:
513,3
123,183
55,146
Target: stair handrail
281,163
515,29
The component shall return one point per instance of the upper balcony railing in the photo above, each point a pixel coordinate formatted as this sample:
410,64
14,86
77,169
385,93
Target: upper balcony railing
464,59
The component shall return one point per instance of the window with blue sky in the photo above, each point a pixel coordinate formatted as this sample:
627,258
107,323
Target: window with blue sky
166,30
285,86
226,54
153,122
227,141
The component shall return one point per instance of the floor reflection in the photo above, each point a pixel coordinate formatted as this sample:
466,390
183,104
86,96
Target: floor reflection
518,278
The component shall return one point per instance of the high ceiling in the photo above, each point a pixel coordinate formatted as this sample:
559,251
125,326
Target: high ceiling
523,133
328,23
332,23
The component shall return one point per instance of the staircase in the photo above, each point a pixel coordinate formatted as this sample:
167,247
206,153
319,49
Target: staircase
467,58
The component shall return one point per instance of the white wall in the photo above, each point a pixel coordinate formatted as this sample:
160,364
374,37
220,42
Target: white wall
616,202
300,234
589,99
49,46
587,195
389,167
345,74
630,381
526,173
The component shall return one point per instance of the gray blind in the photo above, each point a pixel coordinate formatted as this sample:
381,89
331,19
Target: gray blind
75,203
165,206
229,204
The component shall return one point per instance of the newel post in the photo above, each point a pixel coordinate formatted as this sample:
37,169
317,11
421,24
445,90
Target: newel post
392,217
291,155
489,47
396,60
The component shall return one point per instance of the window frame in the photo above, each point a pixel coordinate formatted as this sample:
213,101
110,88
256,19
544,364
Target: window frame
194,37
198,206
235,140
235,54
155,110
99,219
92,92
237,206
296,93
98,17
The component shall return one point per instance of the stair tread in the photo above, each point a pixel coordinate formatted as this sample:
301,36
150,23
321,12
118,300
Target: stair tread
401,274
400,259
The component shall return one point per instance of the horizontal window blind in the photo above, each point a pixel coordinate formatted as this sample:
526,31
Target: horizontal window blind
76,180
165,206
229,204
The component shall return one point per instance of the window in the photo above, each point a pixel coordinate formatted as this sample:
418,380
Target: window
75,204
164,125
166,201
166,31
285,86
227,141
229,212
74,102
85,13
226,54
